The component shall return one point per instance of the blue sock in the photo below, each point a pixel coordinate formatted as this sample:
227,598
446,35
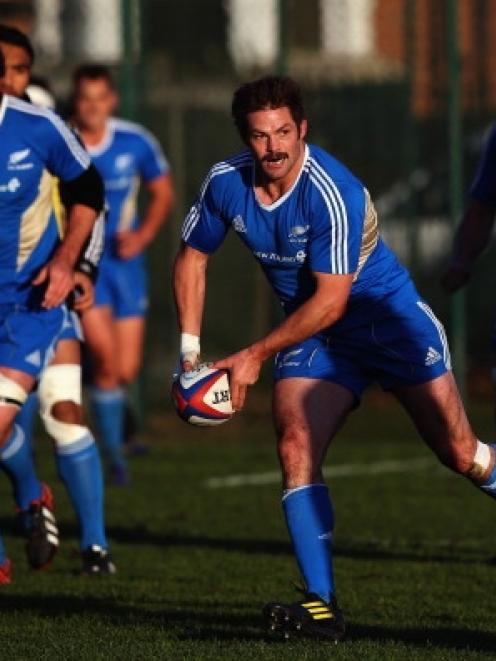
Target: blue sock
25,417
3,552
80,469
16,459
310,522
108,409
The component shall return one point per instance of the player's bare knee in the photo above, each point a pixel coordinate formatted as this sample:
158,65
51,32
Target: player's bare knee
68,411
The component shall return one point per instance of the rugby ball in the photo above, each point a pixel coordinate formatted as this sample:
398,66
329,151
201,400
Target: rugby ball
202,396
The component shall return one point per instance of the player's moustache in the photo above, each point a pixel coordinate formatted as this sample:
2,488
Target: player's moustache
275,156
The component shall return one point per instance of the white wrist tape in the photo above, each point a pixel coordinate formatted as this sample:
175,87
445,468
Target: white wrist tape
482,461
190,344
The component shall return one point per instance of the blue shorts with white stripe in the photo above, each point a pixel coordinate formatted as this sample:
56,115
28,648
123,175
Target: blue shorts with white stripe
405,347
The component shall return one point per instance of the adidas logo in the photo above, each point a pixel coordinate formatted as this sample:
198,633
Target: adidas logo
432,357
34,358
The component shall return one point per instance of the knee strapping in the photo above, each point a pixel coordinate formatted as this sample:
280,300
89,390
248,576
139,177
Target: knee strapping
61,383
11,393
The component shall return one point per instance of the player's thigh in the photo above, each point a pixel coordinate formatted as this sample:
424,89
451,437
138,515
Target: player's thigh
130,332
8,411
67,352
438,413
100,338
307,414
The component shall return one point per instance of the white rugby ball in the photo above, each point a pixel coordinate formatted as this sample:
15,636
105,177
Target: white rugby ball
202,396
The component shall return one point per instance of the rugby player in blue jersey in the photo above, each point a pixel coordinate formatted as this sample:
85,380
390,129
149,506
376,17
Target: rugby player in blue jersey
31,238
475,231
352,317
125,154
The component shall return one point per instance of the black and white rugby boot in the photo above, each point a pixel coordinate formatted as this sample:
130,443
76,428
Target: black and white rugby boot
312,617
97,562
40,527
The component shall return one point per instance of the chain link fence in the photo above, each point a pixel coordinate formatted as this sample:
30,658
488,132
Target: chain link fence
376,77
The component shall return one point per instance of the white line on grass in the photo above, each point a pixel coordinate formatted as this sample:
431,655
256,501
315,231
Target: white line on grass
341,470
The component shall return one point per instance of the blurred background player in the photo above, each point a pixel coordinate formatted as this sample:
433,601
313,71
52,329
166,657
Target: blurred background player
59,388
475,231
352,317
124,153
37,268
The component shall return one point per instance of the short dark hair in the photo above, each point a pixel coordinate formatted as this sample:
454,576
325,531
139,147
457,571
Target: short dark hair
266,93
91,71
14,37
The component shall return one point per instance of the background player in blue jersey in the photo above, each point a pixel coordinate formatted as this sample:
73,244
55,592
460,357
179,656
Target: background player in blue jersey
353,316
36,268
125,154
59,387
475,231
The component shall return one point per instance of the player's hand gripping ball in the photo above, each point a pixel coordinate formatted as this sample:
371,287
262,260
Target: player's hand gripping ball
202,396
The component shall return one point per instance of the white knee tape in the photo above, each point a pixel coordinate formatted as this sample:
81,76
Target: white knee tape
11,393
482,461
60,383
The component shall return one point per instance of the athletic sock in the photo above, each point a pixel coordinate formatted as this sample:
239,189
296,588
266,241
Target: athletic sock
80,469
26,416
16,460
3,552
310,521
108,409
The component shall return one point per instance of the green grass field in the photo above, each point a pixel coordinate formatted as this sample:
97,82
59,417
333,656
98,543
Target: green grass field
413,554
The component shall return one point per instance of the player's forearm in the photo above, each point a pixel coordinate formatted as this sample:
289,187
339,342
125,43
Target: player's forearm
79,226
189,292
312,317
473,234
158,209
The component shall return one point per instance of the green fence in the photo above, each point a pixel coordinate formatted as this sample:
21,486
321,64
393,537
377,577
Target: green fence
376,76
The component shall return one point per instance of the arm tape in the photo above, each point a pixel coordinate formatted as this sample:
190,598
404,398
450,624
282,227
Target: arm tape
87,189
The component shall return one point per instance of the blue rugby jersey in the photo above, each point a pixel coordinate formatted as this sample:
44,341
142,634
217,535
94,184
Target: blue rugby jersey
127,155
325,223
35,145
484,185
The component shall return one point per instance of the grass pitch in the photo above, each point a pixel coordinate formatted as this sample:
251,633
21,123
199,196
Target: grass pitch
413,559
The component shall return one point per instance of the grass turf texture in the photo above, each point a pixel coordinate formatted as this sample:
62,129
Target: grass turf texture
413,555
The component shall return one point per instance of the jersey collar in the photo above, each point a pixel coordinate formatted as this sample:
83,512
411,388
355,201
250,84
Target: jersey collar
105,142
283,198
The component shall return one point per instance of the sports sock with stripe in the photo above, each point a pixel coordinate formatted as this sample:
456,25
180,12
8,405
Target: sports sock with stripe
310,521
80,469
16,460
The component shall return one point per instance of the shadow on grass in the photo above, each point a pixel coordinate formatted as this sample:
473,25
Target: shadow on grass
192,620
142,536
189,620
440,638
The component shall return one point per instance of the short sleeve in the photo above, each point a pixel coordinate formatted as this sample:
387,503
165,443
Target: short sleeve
484,185
152,162
336,229
66,157
203,227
